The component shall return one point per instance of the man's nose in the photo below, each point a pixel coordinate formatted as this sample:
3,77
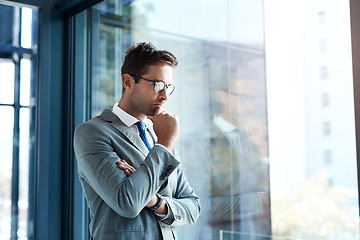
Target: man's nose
163,95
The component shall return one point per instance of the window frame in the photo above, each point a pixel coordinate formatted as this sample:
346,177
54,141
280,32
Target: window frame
355,42
15,53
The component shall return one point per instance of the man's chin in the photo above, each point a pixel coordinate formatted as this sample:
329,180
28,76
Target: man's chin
151,112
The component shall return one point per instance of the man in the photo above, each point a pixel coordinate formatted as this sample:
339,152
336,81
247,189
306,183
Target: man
228,166
136,189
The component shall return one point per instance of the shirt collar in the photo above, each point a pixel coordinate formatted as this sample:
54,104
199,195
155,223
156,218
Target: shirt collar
223,125
124,116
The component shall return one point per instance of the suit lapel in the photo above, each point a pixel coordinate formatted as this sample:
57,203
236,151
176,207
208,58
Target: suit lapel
126,131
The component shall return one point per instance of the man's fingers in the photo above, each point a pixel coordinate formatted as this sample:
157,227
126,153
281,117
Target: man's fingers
127,168
132,169
119,163
157,111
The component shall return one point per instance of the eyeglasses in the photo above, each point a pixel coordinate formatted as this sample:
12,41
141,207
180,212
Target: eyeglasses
159,85
244,98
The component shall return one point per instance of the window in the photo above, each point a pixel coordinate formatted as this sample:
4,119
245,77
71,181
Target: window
321,17
325,100
17,110
327,157
279,140
322,45
297,121
326,129
324,72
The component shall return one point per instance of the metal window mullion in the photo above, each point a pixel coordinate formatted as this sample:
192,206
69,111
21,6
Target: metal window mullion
15,160
69,69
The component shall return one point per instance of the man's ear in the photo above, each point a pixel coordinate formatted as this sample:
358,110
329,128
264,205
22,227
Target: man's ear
127,81
222,96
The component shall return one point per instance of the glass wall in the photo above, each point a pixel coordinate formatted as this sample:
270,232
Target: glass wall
17,110
220,98
314,192
270,152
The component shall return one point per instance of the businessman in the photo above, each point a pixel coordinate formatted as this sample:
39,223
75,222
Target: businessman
129,170
227,162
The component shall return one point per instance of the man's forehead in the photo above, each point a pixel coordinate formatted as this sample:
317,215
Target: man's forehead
243,85
160,72
155,67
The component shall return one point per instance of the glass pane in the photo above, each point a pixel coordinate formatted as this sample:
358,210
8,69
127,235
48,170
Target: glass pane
7,69
6,24
231,110
219,59
6,146
24,148
25,82
26,27
106,81
17,26
314,192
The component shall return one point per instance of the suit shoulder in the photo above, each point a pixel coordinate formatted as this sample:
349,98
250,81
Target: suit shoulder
94,126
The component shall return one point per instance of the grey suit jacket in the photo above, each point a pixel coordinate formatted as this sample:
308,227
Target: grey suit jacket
232,182
117,202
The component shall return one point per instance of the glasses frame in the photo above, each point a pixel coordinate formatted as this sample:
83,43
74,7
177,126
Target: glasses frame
244,98
155,84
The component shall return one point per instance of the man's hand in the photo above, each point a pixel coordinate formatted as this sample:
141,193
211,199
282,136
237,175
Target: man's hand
163,207
166,127
127,168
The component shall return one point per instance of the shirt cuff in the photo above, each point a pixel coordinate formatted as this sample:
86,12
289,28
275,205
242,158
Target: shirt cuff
163,216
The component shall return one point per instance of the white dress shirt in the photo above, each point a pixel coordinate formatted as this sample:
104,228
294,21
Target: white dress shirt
230,132
131,121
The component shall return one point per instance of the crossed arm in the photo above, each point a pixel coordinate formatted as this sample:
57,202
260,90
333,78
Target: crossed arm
128,192
128,170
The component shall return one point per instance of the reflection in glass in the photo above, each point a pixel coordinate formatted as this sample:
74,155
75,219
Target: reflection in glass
6,146
106,81
231,172
7,70
227,168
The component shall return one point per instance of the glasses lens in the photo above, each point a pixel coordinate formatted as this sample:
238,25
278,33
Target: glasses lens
245,98
159,86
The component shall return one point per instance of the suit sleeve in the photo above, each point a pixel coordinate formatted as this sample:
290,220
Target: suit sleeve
184,204
97,159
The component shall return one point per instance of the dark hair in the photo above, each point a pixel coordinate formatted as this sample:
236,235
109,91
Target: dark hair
140,56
